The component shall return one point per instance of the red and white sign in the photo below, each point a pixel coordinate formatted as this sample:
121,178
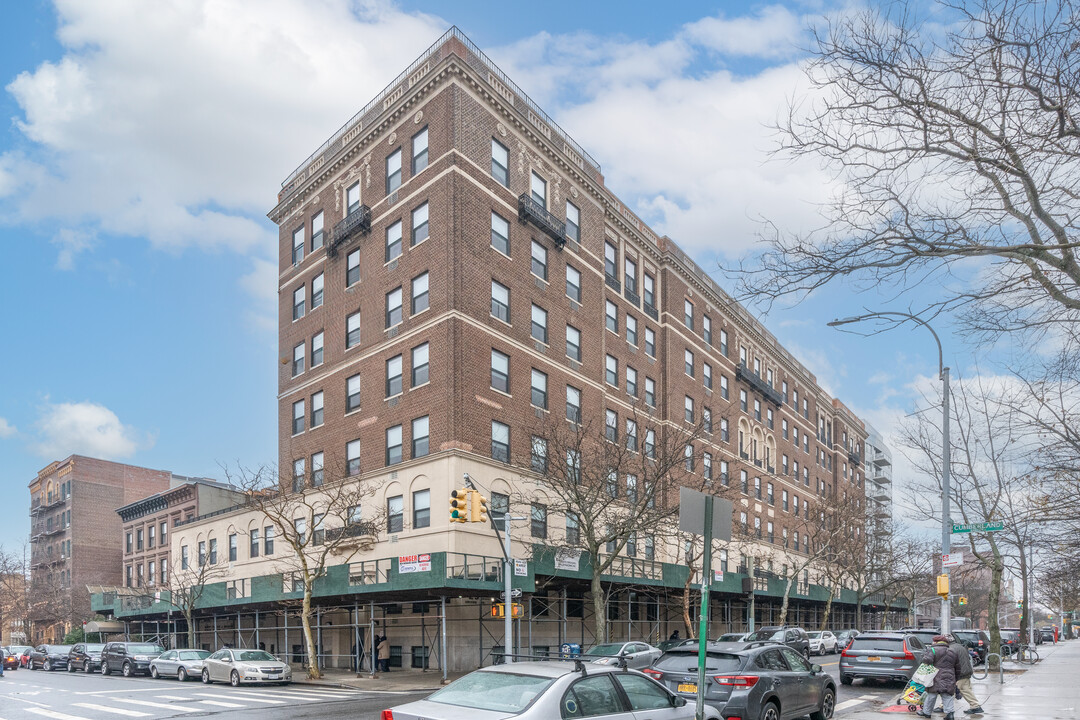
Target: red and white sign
952,559
414,563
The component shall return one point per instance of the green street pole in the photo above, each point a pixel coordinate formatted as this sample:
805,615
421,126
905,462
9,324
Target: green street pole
706,581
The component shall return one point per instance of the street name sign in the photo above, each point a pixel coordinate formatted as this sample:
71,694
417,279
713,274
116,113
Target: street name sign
994,526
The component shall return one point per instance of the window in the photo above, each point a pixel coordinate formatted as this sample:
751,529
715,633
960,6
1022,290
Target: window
298,298
573,221
317,291
500,162
650,392
784,428
784,499
757,409
650,549
352,330
419,293
393,445
688,362
298,417
317,235
500,301
631,329
631,435
757,488
769,532
770,497
688,407
573,343
419,365
393,307
352,393
573,283
253,549
139,539
317,409
611,425
611,314
151,536
395,514
650,342
500,505
268,540
539,389
393,376
352,268
298,245
610,253
352,457
500,234
650,443
500,441
769,418
630,275
538,190
539,324
317,472
744,480
743,400
317,349
538,455
539,260
420,437
213,551
298,354
631,381
500,371
419,151
421,509
573,404
688,314
706,415
538,524
706,328
688,455
420,224
185,562
393,171
232,548
393,241
784,390
649,288
611,370
573,529
298,475
723,343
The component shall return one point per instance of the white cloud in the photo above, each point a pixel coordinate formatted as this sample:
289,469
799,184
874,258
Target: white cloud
261,285
86,428
71,242
6,428
774,32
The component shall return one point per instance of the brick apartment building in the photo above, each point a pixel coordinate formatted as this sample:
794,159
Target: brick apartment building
454,271
75,536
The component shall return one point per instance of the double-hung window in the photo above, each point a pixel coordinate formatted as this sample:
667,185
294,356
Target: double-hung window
393,376
538,190
298,416
610,267
420,227
500,162
648,284
631,329
650,342
317,471
688,314
500,441
352,268
573,222
393,445
706,375
630,275
299,297
316,349
500,234
393,171
419,365
539,261
573,343
688,408
500,301
317,402
352,457
421,509
611,425
299,353
500,371
395,514
723,343
317,291
419,293
420,437
419,151
352,198
352,330
611,316
573,404
650,392
298,245
725,391
318,237
631,382
611,370
539,389
393,241
352,393
688,362
706,328
539,324
393,307
573,283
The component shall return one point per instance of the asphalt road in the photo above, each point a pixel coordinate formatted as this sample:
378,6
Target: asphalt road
58,695
860,695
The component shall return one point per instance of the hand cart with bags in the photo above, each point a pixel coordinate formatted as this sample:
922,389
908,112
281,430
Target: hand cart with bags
914,694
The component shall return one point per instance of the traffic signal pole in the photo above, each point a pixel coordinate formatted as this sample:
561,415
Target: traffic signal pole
508,569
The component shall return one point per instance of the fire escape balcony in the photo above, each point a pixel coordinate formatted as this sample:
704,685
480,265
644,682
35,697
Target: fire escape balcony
531,211
755,381
854,458
358,222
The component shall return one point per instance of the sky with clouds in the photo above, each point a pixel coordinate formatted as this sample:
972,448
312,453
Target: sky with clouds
145,143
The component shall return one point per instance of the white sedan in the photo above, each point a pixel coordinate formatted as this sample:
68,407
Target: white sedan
238,666
823,642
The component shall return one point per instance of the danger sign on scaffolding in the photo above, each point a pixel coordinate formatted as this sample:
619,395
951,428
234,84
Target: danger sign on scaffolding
414,563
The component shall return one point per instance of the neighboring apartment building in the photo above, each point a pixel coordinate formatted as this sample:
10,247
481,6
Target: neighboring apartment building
454,271
147,523
12,606
75,536
879,484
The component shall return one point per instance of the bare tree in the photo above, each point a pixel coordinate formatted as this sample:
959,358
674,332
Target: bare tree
319,520
15,588
948,146
186,583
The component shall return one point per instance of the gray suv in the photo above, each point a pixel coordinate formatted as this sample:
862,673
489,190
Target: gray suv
128,658
794,637
881,656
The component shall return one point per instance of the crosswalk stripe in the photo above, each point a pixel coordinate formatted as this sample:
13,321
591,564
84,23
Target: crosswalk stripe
172,697
315,693
245,695
163,706
848,703
53,714
245,698
220,704
113,710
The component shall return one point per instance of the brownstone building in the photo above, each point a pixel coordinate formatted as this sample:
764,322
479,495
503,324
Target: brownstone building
75,536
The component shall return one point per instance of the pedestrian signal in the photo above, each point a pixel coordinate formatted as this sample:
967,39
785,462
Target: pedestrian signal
943,585
498,610
478,508
459,505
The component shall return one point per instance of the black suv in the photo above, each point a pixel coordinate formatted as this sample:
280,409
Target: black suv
129,658
976,640
794,637
85,657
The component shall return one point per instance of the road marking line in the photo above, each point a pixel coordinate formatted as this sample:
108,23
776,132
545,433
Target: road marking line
848,703
246,698
869,697
105,692
286,697
221,704
316,693
172,697
163,706
115,711
53,714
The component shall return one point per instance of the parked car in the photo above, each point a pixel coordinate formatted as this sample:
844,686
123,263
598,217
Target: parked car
668,644
181,664
794,637
976,640
9,659
756,680
843,637
823,642
23,651
881,656
545,690
637,654
129,658
1046,633
49,657
732,637
1010,641
85,657
238,666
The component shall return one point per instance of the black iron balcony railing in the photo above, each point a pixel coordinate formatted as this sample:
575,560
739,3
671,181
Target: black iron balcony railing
613,283
531,211
854,457
755,381
651,311
631,296
358,222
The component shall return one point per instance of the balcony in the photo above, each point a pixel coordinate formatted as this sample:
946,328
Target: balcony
651,311
855,458
631,296
358,222
613,283
531,211
755,381
882,460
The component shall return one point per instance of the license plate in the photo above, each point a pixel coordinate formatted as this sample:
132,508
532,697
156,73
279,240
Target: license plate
688,688
274,677
873,658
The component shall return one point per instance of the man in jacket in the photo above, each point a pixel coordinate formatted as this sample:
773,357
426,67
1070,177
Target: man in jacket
945,659
383,649
963,677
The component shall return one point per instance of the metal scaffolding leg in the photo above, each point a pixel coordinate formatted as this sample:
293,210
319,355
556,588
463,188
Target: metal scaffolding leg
374,654
442,636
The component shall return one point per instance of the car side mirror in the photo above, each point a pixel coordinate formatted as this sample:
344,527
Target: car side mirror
815,668
678,701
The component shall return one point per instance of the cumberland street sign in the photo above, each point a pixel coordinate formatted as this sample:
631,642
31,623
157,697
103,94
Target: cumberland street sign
994,526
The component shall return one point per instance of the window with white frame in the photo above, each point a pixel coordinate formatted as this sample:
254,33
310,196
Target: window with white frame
317,470
611,370
393,376
611,316
573,404
420,227
539,261
317,349
706,375
650,342
500,371
650,392
317,409
352,198
539,324
500,162
352,457
299,353
419,293
393,445
393,171
352,393
352,268
317,291
352,330
688,362
610,267
419,365
539,395
631,381
420,437
648,284
500,441
419,151
393,241
573,283
538,189
299,298
573,343
631,329
500,301
393,307
298,245
298,415
688,408
573,222
630,275
611,425
500,234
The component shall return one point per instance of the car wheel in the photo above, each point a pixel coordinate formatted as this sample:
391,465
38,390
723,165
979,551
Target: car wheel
234,679
154,672
104,667
206,676
828,704
71,666
181,675
46,666
88,667
846,679
770,712
126,670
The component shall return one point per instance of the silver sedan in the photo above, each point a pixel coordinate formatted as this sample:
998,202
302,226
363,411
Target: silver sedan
637,654
245,666
545,690
182,664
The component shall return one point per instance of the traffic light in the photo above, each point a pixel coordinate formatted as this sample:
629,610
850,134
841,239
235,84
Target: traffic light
1019,604
962,600
943,585
478,508
517,610
459,505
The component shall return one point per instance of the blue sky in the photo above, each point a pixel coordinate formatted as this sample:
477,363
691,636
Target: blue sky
143,144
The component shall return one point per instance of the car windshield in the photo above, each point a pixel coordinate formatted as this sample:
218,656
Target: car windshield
767,635
194,654
254,656
608,649
58,648
730,637
816,635
498,691
877,643
95,648
145,649
688,662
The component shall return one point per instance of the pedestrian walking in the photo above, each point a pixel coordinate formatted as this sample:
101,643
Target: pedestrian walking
945,659
674,635
963,677
383,649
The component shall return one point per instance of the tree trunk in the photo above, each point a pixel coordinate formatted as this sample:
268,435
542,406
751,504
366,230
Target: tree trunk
784,604
189,619
309,640
599,606
828,608
686,601
1025,617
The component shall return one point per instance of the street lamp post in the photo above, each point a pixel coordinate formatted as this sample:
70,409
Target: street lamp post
943,373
